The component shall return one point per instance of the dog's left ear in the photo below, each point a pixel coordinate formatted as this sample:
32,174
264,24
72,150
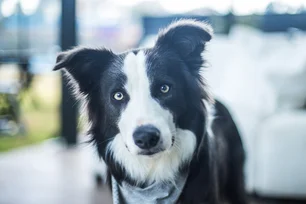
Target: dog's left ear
187,38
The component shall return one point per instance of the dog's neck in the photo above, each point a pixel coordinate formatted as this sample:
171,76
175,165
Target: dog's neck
156,193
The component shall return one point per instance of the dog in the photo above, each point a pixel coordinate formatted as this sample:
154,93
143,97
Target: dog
154,122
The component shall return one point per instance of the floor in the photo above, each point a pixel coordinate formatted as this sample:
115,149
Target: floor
49,173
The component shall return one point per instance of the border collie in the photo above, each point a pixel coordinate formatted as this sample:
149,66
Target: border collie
154,123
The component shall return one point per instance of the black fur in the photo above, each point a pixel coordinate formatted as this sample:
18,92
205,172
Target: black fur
219,167
216,169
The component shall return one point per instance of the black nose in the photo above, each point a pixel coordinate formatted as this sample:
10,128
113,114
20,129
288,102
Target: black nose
146,136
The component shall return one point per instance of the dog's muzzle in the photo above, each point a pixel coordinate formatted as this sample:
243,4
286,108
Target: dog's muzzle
147,138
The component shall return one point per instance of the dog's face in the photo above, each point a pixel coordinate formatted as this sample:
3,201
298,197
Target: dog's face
146,124
143,104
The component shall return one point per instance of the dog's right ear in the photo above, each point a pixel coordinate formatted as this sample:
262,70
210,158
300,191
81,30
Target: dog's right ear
84,65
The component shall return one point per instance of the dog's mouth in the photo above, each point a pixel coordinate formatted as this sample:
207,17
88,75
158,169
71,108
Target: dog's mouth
150,152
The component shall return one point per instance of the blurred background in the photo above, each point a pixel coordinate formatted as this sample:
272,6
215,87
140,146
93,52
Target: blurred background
257,67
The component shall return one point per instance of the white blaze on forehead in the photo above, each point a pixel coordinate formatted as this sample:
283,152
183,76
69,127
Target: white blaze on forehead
142,108
136,72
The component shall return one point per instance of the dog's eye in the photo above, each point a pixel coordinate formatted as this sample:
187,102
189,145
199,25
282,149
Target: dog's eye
164,88
118,96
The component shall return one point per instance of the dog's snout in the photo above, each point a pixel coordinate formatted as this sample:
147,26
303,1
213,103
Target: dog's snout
146,136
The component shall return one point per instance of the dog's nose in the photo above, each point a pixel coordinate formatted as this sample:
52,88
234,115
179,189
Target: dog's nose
146,136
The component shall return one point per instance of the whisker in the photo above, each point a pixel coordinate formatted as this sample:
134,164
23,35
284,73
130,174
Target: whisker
106,140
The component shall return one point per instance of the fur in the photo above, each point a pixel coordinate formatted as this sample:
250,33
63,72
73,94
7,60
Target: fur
161,87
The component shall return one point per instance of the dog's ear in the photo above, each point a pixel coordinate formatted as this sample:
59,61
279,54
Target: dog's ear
84,65
187,38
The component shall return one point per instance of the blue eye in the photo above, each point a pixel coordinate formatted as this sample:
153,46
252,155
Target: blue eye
164,88
118,96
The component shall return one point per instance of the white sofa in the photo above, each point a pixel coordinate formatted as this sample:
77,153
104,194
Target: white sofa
262,79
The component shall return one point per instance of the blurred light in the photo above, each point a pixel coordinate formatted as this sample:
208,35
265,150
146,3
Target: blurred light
293,3
109,16
29,7
8,7
51,12
129,3
182,6
242,7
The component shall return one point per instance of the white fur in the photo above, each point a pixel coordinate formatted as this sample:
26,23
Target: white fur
142,109
210,117
159,168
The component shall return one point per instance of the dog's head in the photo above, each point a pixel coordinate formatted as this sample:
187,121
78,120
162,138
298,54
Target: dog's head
145,106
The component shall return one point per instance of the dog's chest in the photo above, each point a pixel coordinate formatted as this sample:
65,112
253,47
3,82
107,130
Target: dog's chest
157,193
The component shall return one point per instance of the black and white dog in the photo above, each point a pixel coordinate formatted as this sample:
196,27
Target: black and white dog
160,133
